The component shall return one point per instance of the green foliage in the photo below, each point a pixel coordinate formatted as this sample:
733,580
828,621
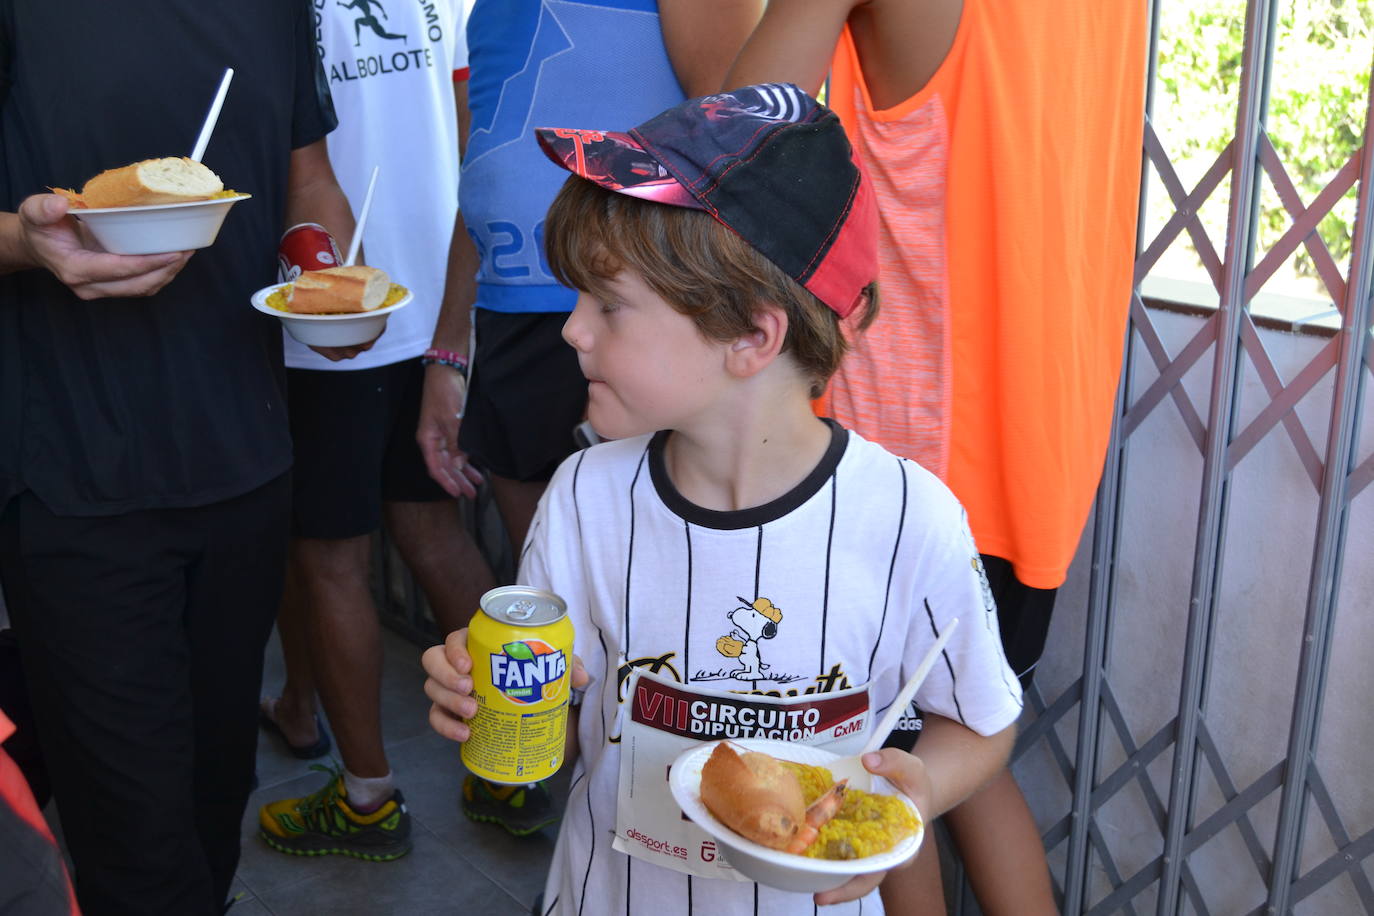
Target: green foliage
1318,91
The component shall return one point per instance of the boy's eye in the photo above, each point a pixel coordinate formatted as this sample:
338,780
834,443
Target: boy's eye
608,307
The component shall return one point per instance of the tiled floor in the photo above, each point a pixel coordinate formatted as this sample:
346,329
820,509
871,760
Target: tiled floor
457,865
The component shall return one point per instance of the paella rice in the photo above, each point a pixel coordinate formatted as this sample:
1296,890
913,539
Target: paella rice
866,824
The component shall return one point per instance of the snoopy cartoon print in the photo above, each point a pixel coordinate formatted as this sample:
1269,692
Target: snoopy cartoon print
753,621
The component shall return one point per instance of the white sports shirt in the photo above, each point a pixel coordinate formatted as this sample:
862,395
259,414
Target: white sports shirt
391,67
861,565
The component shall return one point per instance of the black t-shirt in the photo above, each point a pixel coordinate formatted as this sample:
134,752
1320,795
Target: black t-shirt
176,400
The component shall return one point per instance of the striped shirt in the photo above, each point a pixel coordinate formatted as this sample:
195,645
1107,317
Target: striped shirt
862,564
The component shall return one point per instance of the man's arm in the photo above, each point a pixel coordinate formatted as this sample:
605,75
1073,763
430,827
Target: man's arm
454,325
445,388
703,36
464,115
42,235
901,44
313,195
793,43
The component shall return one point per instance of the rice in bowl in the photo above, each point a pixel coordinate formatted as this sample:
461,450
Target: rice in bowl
866,824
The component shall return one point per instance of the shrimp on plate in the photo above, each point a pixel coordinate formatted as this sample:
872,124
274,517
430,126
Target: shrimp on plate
761,799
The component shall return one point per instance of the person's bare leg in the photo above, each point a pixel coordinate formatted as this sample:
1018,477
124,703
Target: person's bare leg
516,500
1002,852
346,645
443,558
916,890
294,709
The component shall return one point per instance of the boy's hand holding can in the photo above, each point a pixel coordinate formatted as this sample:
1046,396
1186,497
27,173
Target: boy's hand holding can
449,685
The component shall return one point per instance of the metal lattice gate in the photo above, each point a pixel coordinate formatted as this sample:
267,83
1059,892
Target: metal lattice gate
1207,748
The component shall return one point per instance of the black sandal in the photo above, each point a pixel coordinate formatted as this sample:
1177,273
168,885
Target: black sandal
310,751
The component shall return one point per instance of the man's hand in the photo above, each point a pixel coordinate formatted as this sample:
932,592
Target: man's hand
53,240
338,354
908,773
441,411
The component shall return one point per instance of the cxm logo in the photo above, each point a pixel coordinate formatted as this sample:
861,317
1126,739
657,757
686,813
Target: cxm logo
529,671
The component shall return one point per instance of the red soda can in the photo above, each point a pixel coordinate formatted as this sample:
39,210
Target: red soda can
305,246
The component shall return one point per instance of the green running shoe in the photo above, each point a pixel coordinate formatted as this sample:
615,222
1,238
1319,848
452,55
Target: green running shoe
325,824
521,810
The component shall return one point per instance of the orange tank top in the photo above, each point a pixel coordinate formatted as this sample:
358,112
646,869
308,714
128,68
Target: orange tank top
1007,190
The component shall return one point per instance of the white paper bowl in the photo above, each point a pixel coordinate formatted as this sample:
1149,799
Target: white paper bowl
158,228
782,870
329,330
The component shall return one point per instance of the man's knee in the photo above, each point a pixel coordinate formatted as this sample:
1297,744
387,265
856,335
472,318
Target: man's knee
332,562
429,534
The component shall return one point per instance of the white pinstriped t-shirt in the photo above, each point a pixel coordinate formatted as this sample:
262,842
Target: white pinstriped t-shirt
861,566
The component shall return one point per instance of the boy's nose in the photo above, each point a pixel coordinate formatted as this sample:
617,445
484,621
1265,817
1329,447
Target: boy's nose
574,329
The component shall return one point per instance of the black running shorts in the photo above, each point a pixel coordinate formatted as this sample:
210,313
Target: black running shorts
354,438
525,395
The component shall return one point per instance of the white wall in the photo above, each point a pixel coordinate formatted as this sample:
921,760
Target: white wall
1267,555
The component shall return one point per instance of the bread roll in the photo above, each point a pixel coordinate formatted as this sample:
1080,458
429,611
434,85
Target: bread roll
338,290
754,795
152,181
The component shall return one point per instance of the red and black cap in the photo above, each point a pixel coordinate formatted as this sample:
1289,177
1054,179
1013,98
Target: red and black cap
769,162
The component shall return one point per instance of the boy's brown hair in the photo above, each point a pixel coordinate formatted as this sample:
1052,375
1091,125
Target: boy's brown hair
698,266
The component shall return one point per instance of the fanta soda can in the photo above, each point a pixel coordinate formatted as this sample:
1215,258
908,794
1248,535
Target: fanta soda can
521,646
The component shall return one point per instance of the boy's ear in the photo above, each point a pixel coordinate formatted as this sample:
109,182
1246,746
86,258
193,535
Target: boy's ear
755,350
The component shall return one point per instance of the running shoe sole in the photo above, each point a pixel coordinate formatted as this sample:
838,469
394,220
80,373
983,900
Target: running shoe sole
323,846
522,830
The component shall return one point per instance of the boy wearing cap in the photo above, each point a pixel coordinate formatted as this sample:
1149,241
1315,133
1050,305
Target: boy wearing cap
716,248
1006,257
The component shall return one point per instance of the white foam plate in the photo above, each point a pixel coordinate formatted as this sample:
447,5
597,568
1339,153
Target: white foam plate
782,870
347,330
157,228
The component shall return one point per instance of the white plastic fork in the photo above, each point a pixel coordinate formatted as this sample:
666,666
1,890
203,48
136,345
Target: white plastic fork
853,767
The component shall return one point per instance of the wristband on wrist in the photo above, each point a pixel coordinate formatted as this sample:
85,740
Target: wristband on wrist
435,356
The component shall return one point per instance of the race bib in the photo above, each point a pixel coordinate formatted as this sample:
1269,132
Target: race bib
666,718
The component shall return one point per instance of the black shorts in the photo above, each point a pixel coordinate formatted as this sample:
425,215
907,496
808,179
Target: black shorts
354,436
525,396
1023,616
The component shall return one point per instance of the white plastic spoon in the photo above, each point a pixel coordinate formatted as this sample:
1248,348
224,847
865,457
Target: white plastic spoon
357,240
212,116
852,767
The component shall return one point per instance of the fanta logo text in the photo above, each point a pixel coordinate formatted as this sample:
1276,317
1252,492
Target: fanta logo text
523,669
